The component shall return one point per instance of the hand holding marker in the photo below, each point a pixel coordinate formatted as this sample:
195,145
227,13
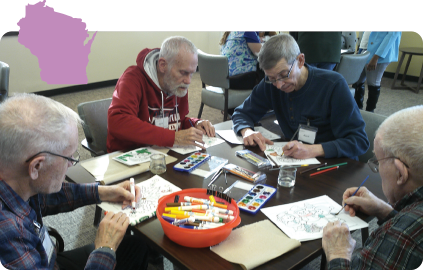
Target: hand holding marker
133,193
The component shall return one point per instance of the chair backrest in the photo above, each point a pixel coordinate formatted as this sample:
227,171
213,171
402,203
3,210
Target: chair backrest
4,80
213,69
351,66
94,114
372,122
349,41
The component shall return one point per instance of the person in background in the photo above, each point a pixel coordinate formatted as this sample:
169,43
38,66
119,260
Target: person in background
321,49
38,143
398,242
150,101
311,103
384,49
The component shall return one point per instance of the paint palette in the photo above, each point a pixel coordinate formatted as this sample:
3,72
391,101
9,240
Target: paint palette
256,198
191,162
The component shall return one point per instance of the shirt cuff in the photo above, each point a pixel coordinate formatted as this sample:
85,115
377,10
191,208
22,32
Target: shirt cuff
339,263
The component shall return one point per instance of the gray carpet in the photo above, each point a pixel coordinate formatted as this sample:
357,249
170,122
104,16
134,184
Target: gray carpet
76,227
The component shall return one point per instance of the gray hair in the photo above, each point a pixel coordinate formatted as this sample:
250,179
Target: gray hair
30,124
402,136
276,48
172,46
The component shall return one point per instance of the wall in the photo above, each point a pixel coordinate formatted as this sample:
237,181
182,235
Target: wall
111,53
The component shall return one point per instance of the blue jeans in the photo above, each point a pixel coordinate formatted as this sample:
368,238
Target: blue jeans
328,66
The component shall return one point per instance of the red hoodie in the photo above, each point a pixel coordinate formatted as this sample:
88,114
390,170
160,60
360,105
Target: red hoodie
136,102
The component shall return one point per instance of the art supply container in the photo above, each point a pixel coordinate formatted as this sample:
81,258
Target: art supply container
196,238
157,163
287,176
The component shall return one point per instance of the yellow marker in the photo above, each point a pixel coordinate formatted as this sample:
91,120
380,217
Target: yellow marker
212,199
175,216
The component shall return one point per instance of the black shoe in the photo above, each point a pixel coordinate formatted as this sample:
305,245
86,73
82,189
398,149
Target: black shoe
373,95
359,94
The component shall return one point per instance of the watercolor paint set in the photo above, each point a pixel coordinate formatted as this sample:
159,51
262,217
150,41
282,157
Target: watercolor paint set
253,200
192,162
245,173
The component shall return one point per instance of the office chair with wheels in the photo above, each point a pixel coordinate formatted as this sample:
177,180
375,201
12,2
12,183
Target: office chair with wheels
214,73
94,114
4,80
351,66
372,122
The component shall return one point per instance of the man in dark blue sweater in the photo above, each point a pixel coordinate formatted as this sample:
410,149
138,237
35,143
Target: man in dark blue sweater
299,94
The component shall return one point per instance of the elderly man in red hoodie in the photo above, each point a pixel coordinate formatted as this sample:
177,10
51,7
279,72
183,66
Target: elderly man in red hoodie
150,101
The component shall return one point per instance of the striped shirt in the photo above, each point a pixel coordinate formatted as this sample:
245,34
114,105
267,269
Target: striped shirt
396,244
20,245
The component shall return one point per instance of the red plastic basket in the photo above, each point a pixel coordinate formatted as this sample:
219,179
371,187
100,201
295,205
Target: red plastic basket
196,238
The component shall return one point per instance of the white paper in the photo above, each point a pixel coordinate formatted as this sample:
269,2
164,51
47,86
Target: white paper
231,137
305,220
184,150
151,191
274,152
137,156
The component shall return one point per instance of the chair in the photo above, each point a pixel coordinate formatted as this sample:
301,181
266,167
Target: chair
351,66
349,41
372,122
214,73
4,80
94,114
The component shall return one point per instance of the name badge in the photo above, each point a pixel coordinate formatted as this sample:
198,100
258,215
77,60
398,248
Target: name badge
307,134
45,238
162,122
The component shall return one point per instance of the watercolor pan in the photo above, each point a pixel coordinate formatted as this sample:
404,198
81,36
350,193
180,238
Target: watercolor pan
255,198
191,162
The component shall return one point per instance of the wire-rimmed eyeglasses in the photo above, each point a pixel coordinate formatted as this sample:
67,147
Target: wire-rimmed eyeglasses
282,78
374,163
74,160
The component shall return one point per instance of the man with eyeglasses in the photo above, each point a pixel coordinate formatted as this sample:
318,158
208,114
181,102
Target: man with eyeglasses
398,242
311,103
38,143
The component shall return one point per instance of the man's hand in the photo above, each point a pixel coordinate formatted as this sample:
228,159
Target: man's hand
299,150
366,202
119,193
337,241
111,230
189,137
206,127
253,138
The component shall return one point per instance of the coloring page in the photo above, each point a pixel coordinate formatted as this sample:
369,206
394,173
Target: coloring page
151,191
274,152
231,137
137,156
305,220
184,150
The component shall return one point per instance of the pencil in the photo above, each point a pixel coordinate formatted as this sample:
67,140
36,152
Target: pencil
330,169
313,168
340,164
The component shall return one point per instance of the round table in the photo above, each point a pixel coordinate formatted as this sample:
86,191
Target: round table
410,51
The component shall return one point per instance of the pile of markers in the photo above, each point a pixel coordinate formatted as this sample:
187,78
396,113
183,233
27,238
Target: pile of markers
197,214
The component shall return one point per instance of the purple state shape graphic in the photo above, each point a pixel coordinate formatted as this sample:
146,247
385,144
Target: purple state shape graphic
57,40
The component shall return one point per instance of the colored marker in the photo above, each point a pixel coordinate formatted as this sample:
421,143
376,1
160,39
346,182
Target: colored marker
179,204
333,168
175,216
183,221
212,199
323,168
187,208
133,193
208,218
223,211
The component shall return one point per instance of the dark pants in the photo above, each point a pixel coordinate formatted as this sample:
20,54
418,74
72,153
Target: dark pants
131,254
328,66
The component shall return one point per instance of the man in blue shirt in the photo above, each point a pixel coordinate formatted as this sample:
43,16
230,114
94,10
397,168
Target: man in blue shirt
38,143
317,99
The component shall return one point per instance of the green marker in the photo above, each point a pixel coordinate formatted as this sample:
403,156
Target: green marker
331,166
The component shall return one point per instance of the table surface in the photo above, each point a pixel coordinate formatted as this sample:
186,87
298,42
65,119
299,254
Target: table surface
412,50
333,184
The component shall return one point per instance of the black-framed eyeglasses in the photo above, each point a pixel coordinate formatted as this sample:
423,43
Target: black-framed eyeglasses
374,163
74,160
282,78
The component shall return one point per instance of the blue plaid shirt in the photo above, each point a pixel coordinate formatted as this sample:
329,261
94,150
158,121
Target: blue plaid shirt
20,245
396,244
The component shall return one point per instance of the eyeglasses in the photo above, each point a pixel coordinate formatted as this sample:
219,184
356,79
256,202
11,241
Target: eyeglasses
374,163
74,160
283,78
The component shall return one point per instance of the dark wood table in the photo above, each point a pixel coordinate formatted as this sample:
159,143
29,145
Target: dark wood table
333,184
408,51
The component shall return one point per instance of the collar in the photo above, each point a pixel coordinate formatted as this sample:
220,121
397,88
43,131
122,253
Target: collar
410,198
13,201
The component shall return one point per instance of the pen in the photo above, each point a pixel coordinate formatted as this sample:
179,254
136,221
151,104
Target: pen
323,168
330,169
313,168
133,193
354,193
191,123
